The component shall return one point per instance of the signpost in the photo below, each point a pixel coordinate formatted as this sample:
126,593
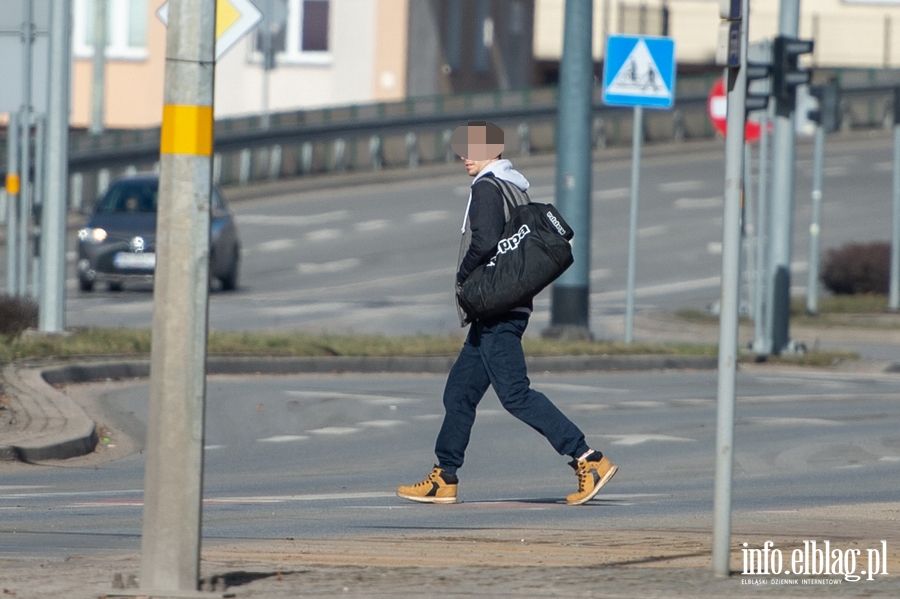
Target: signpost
639,71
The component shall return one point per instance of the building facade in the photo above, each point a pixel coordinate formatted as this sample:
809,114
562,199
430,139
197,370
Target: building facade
339,52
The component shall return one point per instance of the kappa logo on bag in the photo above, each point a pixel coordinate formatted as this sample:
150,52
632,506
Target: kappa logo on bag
553,220
509,244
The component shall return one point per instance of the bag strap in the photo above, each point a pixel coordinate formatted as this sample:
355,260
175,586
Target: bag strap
509,198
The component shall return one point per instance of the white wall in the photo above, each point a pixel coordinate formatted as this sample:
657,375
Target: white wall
857,33
346,77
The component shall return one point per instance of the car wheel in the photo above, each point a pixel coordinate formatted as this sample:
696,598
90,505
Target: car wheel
230,280
85,285
114,286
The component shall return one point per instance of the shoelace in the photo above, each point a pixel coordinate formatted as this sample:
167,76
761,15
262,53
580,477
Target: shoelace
582,478
431,478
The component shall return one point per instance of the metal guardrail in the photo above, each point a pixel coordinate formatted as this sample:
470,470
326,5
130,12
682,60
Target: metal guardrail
417,131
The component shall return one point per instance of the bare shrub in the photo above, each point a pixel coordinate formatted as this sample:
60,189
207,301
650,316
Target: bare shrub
858,268
16,315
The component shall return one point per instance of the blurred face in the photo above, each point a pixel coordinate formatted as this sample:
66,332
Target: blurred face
477,142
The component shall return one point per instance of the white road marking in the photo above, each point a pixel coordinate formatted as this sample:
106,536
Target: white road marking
92,493
122,308
292,220
639,439
212,447
334,430
889,458
818,381
303,309
429,216
428,417
618,193
662,289
323,235
714,248
589,407
327,267
694,402
378,400
835,171
5,488
641,404
652,231
372,225
579,388
249,499
764,421
283,439
380,423
692,203
276,245
680,186
600,273
361,286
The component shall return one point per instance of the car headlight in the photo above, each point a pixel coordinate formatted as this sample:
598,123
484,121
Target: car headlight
92,235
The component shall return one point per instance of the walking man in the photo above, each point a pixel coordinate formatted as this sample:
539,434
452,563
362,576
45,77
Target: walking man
492,354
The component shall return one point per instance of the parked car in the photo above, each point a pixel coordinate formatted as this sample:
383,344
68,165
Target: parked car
118,242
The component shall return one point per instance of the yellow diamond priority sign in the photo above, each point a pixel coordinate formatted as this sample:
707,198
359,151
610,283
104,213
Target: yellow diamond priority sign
234,20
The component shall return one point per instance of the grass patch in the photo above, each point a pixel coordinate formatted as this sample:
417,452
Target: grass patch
98,342
855,311
844,304
813,358
703,317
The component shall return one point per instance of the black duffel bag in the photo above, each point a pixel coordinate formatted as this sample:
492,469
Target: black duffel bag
532,253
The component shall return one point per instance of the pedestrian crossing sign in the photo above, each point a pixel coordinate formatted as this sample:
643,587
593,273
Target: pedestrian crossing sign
639,70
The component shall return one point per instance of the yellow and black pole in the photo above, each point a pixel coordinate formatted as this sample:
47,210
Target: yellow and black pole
13,187
173,487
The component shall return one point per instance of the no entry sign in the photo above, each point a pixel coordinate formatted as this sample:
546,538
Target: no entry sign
717,107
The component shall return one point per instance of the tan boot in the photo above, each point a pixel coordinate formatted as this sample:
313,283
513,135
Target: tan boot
592,475
437,487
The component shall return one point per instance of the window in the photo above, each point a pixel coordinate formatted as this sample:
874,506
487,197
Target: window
302,36
126,29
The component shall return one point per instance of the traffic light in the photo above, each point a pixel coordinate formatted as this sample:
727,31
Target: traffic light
757,86
787,73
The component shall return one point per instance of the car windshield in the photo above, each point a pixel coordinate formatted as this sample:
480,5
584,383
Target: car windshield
130,196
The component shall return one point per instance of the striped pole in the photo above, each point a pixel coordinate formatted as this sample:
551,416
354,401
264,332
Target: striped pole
13,187
173,483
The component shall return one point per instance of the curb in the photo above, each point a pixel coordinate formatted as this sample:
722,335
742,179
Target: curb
53,427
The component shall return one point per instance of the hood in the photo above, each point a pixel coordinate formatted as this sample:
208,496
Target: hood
502,169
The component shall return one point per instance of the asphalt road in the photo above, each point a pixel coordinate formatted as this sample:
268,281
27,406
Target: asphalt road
319,456
380,257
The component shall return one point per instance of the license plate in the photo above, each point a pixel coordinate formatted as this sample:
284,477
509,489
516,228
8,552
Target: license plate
144,260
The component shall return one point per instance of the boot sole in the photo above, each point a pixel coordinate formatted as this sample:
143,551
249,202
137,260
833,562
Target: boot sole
427,499
606,478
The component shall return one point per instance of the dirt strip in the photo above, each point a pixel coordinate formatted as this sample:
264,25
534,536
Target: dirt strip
508,563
